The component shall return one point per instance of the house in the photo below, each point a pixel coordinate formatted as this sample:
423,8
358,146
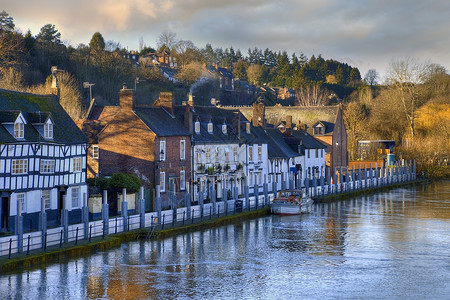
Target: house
226,78
147,141
161,59
310,118
42,160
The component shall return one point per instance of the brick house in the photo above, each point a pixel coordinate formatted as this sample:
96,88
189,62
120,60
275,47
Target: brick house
143,140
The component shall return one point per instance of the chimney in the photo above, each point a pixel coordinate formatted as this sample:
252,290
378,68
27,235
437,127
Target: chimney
188,119
126,98
236,123
55,86
259,114
190,100
166,102
288,125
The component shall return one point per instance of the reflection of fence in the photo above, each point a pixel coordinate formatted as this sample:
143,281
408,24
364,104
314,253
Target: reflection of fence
247,201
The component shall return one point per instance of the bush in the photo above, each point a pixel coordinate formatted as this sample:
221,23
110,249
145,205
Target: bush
115,183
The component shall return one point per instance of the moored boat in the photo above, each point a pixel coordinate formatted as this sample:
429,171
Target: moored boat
291,202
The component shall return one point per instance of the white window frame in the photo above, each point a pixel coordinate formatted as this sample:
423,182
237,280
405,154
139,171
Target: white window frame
47,166
162,150
210,127
259,153
197,127
95,152
19,129
46,197
162,181
208,155
227,154
250,153
182,179
19,166
235,154
182,149
77,162
22,198
48,130
75,197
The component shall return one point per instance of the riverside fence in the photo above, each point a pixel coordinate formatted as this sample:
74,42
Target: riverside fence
253,198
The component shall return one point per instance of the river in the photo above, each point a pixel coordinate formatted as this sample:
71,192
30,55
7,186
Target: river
390,245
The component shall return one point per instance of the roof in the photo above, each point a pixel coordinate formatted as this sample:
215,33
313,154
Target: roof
36,109
161,122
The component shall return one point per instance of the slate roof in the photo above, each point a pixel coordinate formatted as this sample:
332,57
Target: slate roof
161,122
31,106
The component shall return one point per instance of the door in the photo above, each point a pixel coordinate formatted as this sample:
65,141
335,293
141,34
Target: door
5,213
61,196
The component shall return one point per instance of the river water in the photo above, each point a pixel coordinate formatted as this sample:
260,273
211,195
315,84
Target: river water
390,245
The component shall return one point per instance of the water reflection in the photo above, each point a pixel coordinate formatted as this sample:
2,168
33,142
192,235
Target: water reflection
386,245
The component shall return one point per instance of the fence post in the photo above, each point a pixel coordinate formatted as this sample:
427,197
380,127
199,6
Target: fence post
19,227
90,233
10,246
192,216
141,208
60,239
187,201
65,219
225,198
213,199
265,191
28,245
124,212
76,237
201,202
256,194
247,197
158,202
43,220
105,211
85,214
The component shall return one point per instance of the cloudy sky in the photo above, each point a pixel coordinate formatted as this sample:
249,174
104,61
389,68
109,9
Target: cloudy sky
365,34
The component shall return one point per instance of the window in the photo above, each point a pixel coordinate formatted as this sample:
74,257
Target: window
19,166
18,130
46,198
235,154
77,164
224,129
208,155
162,150
47,166
259,153
21,199
250,154
75,197
95,152
210,127
317,153
182,179
217,154
247,127
199,156
197,127
162,182
48,129
307,151
227,154
182,149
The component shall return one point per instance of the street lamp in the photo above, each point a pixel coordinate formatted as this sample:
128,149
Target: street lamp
88,85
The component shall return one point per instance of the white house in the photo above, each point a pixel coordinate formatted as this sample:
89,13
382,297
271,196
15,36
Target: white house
42,160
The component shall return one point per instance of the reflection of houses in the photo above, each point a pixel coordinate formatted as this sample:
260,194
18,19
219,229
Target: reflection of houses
42,160
333,134
143,140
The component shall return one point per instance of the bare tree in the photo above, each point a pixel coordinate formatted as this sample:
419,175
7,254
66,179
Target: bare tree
312,95
355,116
167,40
255,74
371,77
11,79
404,78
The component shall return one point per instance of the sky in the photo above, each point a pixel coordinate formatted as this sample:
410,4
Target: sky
365,34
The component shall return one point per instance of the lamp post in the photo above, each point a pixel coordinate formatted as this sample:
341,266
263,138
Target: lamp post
88,85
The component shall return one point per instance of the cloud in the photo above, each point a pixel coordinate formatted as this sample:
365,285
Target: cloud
367,33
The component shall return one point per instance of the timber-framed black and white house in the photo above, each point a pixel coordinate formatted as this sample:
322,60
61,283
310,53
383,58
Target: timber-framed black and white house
42,160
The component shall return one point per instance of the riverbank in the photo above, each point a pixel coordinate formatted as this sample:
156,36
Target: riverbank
56,254
354,193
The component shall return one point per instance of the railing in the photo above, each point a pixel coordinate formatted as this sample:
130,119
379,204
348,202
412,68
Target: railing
76,233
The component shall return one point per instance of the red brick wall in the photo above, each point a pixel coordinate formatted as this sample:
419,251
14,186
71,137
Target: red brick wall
126,146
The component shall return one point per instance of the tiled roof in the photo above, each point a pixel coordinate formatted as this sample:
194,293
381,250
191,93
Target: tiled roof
11,103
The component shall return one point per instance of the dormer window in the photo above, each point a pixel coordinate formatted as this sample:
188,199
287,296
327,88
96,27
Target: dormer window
19,127
224,128
247,127
197,127
48,129
210,127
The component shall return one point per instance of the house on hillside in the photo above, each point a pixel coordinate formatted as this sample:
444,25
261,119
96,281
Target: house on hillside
42,160
226,78
147,141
